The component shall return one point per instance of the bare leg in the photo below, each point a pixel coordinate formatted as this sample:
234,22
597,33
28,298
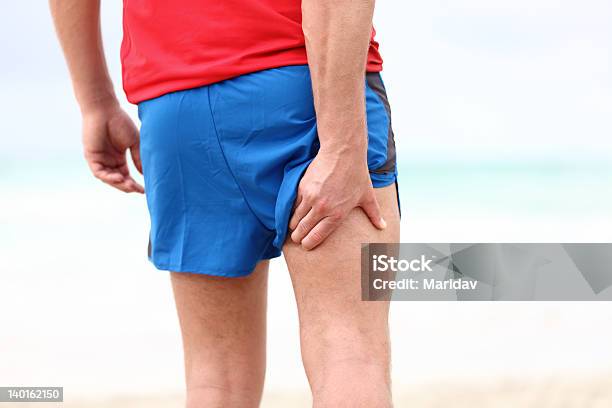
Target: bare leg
223,323
345,341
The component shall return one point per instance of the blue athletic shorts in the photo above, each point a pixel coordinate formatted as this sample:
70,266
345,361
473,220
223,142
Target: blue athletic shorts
222,165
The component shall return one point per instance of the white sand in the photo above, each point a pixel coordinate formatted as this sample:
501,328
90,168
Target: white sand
102,322
551,393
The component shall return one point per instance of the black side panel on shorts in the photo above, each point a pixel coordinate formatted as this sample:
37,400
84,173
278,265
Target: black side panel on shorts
376,84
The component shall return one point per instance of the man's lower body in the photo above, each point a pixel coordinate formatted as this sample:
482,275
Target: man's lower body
222,164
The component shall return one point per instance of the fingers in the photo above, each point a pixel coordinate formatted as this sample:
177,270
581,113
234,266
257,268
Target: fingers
312,225
124,137
320,232
108,176
314,228
133,186
299,212
126,184
118,177
107,135
372,209
135,152
129,185
304,226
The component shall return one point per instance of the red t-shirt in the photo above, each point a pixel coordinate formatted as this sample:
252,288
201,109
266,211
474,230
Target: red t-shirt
174,45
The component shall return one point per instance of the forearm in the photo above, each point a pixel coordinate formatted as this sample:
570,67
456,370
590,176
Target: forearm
337,34
77,23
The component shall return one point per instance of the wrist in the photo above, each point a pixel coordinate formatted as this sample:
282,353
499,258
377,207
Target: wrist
95,100
348,142
351,152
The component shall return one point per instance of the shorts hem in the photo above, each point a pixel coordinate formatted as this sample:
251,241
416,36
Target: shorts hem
207,271
380,181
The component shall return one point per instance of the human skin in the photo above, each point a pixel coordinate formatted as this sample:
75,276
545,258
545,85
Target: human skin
344,340
108,132
345,343
223,325
337,35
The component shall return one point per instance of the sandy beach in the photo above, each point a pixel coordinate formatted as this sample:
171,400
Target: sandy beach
108,331
551,393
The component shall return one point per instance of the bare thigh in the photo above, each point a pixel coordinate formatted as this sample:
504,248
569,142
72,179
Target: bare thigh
223,325
339,332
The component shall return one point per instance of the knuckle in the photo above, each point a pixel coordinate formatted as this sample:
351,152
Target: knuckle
309,197
336,216
300,193
311,194
322,205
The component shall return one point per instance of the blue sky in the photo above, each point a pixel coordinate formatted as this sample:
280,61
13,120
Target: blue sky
464,77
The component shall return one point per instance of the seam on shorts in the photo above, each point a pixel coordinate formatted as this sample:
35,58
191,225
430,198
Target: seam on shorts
212,118
378,88
181,175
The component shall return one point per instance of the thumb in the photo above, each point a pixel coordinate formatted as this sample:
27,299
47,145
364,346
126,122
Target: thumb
135,152
372,210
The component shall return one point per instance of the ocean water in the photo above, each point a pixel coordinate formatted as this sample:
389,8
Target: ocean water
81,307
